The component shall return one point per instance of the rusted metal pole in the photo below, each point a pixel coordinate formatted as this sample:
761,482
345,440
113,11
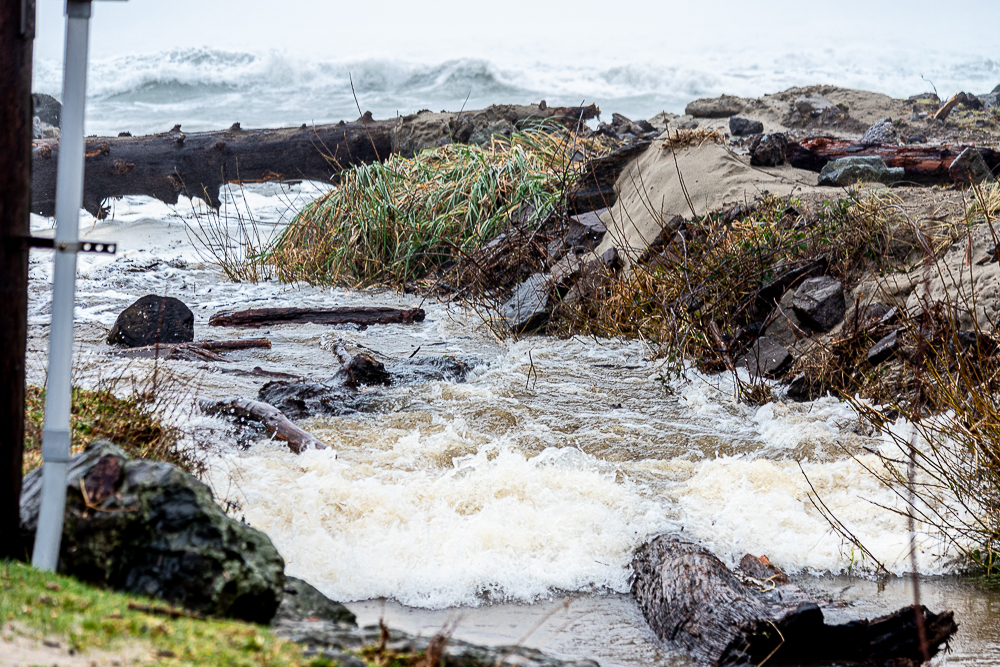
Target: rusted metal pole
17,32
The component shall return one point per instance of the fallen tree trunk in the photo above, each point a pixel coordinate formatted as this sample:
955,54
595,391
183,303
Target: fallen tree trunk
927,165
272,418
691,598
197,164
362,315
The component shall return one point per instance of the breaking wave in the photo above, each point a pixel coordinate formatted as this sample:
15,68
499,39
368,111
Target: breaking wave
206,88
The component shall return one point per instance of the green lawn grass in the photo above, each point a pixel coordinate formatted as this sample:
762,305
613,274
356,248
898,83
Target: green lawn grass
40,604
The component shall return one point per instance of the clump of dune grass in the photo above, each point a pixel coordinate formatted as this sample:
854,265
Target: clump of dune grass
398,221
135,413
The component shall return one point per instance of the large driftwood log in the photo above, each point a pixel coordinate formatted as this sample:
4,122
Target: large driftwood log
272,418
362,315
926,165
197,164
690,598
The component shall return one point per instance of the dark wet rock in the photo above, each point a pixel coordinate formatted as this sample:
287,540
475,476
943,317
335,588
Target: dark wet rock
969,168
298,400
768,150
528,309
819,303
585,231
715,107
776,290
566,270
812,105
152,529
785,327
884,349
303,602
740,127
766,358
990,100
881,131
47,109
873,314
483,135
803,388
593,275
976,343
326,639
335,398
917,139
153,319
859,169
362,369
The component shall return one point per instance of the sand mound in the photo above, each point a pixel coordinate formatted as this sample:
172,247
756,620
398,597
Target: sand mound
650,191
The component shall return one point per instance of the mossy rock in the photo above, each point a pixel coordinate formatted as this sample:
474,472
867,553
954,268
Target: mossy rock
149,528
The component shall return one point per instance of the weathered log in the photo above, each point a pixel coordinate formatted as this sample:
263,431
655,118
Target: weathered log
197,164
362,315
927,165
690,598
272,418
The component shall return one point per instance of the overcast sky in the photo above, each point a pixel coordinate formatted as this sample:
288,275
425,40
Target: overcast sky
597,31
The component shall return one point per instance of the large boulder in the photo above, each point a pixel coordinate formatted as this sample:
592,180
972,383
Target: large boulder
969,168
741,127
153,319
149,528
302,602
882,131
766,358
528,309
859,169
768,150
819,303
716,107
47,109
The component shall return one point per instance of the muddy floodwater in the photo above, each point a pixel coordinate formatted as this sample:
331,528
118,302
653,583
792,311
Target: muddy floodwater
505,508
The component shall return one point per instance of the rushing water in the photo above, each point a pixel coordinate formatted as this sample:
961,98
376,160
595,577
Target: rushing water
509,505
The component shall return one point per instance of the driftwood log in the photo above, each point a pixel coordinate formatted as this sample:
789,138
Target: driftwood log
362,315
690,598
272,418
926,165
197,164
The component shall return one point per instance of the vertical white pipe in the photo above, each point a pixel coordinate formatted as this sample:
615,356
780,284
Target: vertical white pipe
69,198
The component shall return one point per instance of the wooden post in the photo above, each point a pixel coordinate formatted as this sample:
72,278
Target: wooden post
17,28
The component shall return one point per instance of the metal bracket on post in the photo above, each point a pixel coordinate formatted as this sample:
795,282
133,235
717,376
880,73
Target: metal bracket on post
99,247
